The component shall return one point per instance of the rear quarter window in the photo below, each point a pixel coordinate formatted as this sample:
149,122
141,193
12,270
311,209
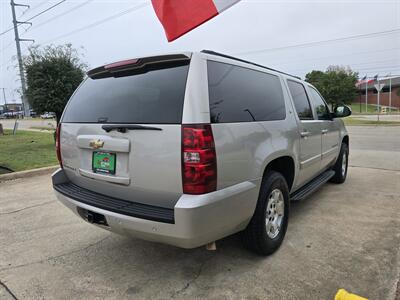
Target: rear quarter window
154,97
239,94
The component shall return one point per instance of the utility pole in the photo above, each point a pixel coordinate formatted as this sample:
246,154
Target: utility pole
5,100
4,96
20,64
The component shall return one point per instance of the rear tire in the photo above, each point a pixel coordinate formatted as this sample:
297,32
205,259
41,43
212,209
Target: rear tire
267,228
341,165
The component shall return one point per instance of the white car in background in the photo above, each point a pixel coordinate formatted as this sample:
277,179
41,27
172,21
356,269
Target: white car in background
12,114
48,115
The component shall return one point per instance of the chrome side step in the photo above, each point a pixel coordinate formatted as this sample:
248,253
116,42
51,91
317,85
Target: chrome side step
312,186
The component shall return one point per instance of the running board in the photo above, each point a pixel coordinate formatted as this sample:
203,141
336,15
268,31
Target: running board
312,186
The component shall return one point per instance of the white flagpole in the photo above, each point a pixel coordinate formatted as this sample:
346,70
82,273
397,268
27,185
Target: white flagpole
378,99
390,93
366,95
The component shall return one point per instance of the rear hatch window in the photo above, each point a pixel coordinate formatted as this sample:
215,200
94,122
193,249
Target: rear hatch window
152,97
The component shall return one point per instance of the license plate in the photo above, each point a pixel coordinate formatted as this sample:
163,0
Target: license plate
104,162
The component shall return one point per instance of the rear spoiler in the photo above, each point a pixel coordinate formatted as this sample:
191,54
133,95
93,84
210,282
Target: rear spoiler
139,65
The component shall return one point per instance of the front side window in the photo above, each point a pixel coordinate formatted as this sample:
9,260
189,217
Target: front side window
239,94
321,108
300,100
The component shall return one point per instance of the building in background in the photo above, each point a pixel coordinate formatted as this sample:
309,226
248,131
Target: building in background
15,107
389,95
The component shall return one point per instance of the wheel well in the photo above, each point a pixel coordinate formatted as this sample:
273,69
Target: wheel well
346,140
285,166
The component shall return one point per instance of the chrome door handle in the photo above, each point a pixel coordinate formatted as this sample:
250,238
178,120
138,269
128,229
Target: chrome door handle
304,133
324,131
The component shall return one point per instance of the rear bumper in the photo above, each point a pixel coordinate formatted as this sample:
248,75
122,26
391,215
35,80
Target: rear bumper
198,219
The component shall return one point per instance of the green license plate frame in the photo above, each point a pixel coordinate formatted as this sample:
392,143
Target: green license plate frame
104,162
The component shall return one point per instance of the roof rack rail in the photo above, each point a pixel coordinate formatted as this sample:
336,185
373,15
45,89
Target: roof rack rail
246,61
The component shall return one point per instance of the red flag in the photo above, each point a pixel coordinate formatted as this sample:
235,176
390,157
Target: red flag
180,16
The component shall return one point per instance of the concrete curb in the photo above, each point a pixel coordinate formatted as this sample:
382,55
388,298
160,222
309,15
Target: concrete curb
28,173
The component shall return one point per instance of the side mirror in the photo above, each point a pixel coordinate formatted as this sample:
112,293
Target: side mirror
341,111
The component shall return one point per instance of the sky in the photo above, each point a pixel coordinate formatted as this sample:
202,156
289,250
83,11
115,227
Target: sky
289,35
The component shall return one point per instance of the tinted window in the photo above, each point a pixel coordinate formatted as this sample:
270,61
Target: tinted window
153,97
300,100
243,95
320,106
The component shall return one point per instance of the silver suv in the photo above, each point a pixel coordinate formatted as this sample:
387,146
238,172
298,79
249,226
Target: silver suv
188,148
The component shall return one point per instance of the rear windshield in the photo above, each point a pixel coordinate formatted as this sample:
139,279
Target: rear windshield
155,97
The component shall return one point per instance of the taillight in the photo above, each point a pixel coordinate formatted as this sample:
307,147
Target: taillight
58,146
199,161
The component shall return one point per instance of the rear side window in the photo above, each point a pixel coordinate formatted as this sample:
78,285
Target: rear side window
300,100
243,95
154,97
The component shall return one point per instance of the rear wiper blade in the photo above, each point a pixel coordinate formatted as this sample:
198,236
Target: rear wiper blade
124,128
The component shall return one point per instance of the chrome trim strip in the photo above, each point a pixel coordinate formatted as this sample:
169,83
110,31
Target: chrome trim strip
309,161
112,179
330,151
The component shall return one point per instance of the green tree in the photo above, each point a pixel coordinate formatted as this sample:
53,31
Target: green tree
337,84
52,74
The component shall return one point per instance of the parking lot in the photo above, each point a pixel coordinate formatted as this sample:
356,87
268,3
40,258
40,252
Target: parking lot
344,236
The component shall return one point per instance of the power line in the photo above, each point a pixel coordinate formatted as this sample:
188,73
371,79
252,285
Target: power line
359,36
35,7
366,69
49,20
83,28
9,29
360,71
31,18
124,12
28,7
397,67
392,60
46,10
59,15
363,64
296,59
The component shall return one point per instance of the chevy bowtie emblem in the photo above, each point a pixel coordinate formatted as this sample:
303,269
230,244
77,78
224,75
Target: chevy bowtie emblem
96,144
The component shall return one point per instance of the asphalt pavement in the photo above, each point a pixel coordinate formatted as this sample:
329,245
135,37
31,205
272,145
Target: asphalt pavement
344,236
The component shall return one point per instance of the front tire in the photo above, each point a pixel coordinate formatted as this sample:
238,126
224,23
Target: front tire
341,165
267,228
